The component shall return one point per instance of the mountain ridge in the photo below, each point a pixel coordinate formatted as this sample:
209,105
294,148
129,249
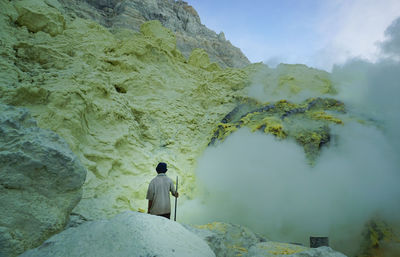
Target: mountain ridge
178,16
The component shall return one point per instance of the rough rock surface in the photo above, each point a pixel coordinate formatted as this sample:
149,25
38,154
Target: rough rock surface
235,240
40,182
47,17
227,239
127,234
125,101
178,16
274,249
291,82
311,129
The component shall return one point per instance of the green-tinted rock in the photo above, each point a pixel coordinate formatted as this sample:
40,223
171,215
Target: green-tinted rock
38,15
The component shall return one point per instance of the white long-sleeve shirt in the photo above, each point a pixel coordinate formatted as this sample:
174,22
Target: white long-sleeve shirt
158,192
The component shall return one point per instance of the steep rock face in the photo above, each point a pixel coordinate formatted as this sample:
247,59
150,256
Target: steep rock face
127,234
177,16
124,101
40,182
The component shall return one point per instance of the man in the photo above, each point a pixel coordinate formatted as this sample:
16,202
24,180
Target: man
158,193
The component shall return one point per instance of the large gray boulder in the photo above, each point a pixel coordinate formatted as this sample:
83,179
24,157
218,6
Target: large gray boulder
178,16
127,234
40,182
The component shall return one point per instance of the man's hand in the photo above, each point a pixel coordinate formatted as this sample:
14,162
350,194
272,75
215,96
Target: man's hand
176,194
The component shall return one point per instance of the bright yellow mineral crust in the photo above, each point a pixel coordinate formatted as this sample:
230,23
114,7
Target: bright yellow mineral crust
238,249
321,115
307,122
214,226
280,249
271,125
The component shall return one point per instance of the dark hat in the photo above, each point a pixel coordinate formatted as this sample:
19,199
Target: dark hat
161,167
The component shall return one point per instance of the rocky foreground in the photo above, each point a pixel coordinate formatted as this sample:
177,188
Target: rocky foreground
111,95
138,234
41,182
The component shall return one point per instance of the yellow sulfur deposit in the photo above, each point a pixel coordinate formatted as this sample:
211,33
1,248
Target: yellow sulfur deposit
269,124
306,122
281,249
218,226
379,238
123,101
228,239
321,115
273,126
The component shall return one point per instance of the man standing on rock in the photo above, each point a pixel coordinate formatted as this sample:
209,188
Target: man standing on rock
158,193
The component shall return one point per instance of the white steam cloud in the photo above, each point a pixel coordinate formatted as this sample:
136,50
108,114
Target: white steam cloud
255,180
373,89
266,184
392,45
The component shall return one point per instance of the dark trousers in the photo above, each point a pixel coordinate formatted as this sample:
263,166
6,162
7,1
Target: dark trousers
167,215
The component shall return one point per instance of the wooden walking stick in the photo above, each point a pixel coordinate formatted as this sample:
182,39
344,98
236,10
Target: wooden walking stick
176,198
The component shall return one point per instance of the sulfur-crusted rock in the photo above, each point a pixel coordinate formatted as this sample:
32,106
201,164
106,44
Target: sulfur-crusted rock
40,182
306,122
235,240
127,234
379,238
178,16
293,82
155,30
227,239
199,58
269,249
39,15
124,101
275,249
